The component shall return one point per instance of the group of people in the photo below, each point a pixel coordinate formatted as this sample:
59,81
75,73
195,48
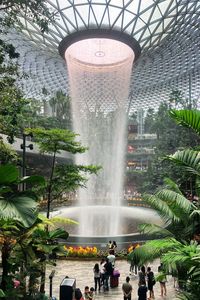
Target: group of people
146,282
112,245
88,294
102,273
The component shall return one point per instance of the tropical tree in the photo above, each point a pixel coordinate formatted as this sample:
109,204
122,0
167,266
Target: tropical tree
15,207
33,250
170,138
60,104
11,96
25,242
62,177
179,237
35,10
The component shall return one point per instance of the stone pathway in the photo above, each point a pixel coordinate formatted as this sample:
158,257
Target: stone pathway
82,271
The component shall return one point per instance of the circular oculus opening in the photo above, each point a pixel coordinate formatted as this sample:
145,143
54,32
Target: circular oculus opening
99,51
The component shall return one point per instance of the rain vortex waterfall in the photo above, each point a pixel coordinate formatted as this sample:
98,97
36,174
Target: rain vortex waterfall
99,91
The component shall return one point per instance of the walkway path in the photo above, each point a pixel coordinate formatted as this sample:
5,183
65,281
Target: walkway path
82,271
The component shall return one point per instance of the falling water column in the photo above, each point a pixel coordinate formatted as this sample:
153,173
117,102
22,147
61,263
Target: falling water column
99,72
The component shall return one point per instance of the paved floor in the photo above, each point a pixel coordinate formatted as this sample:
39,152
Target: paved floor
82,271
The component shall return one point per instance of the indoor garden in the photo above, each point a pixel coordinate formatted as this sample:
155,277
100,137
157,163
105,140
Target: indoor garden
99,149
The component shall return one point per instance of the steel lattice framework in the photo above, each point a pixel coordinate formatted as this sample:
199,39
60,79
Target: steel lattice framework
168,32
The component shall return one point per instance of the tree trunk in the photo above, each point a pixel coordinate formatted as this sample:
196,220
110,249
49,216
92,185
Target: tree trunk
50,185
5,253
43,275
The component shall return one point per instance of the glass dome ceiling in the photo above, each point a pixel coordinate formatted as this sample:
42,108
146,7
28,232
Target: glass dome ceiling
148,21
167,30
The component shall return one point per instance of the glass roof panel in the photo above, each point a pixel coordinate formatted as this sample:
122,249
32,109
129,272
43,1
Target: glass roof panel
148,18
113,13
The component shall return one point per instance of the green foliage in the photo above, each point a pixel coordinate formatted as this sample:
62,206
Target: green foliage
8,174
36,10
152,250
12,105
63,177
69,177
149,121
187,118
155,230
170,138
180,253
7,154
56,140
32,250
14,204
11,97
2,295
60,104
188,159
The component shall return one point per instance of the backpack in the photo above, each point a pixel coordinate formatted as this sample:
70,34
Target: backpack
108,268
153,280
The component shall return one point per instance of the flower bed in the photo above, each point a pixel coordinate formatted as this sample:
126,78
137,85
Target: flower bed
91,252
81,251
132,247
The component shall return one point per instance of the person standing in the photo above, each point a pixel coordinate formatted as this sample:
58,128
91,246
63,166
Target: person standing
142,275
114,246
142,291
134,261
102,271
110,245
150,282
108,272
111,257
162,280
127,289
97,275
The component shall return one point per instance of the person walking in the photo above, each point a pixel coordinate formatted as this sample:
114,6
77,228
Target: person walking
97,276
127,289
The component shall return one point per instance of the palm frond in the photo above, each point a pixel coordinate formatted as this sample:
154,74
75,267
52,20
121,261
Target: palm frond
62,220
172,185
174,199
56,220
189,159
152,250
155,230
187,118
161,207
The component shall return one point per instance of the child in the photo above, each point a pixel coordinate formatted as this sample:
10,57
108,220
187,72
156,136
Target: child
91,293
87,292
